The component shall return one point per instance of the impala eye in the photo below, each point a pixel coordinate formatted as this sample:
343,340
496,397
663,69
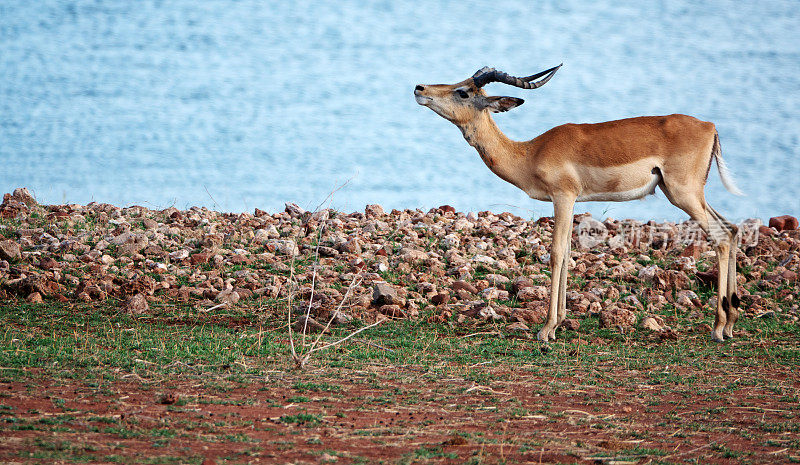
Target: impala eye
462,94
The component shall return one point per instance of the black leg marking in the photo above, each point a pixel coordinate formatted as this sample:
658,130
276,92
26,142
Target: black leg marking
725,305
735,300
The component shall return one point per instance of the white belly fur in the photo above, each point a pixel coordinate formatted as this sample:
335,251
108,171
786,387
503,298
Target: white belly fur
633,176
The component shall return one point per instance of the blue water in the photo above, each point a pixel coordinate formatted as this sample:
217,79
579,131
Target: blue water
243,104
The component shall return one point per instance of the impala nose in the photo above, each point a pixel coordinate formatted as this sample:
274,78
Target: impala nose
419,88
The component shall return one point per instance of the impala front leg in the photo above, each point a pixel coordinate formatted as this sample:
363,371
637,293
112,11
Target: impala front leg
562,232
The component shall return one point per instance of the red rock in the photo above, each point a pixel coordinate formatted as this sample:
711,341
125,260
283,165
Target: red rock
465,286
614,317
258,213
783,223
34,298
392,311
440,298
709,278
789,275
527,294
198,258
447,208
693,250
571,324
532,316
521,282
766,231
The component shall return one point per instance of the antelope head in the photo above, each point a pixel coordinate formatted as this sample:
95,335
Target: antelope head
462,102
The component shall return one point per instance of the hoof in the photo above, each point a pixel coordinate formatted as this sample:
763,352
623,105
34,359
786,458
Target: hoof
546,335
716,336
727,333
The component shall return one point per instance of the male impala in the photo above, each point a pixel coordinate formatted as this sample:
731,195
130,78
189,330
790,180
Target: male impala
611,161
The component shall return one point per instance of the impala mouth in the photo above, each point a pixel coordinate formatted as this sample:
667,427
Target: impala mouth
422,100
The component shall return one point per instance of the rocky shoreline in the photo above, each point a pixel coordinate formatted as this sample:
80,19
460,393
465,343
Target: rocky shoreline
442,265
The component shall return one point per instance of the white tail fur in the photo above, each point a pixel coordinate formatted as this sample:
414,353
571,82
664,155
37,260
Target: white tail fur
726,177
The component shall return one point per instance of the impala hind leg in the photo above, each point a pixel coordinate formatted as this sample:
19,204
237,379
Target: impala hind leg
732,309
559,253
693,203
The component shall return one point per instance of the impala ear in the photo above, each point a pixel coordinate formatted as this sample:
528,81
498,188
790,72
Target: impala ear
498,104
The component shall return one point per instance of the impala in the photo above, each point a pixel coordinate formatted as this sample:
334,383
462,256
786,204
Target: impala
611,161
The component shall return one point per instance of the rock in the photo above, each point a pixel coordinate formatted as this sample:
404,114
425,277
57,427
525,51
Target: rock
518,326
595,308
527,294
47,263
294,210
9,250
283,247
520,282
451,241
440,298
392,311
447,208
305,324
633,301
687,299
486,260
22,194
781,223
384,294
412,255
651,275
532,315
693,250
482,311
651,324
571,324
341,318
374,211
709,278
325,251
463,285
496,279
228,297
616,317
352,245
179,255
262,236
136,305
34,298
198,258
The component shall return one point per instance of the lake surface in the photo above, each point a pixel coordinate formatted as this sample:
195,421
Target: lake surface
243,104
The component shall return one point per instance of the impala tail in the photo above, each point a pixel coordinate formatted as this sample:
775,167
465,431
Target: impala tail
724,173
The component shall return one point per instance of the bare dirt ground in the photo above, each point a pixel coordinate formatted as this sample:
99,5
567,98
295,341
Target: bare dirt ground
477,413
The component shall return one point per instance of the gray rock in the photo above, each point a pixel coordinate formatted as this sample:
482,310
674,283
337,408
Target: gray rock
136,305
9,250
385,294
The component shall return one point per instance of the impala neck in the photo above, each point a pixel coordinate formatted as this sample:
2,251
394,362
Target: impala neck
497,151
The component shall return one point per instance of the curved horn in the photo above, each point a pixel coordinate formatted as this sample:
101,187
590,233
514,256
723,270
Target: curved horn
486,75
